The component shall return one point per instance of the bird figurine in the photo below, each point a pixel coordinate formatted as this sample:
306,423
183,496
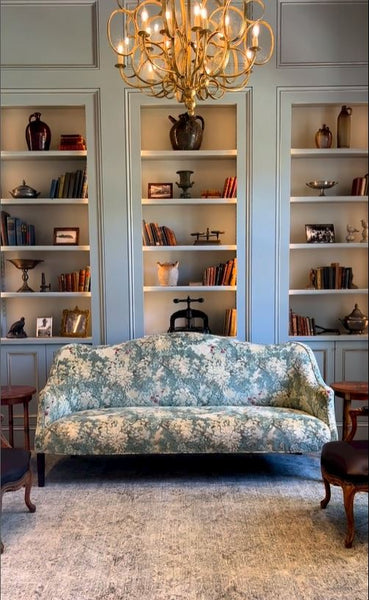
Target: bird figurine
17,329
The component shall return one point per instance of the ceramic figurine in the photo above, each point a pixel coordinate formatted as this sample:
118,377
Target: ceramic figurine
350,237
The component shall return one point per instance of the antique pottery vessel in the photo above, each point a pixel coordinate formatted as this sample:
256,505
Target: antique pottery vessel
38,134
186,132
355,322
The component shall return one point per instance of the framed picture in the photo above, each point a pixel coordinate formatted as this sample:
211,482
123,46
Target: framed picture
160,190
320,234
66,236
75,322
44,327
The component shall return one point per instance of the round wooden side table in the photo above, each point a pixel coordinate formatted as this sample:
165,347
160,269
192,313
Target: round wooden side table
17,394
349,390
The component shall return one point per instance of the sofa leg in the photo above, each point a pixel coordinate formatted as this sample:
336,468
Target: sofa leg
41,469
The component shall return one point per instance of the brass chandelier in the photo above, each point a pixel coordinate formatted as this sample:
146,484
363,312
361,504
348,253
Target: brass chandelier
189,49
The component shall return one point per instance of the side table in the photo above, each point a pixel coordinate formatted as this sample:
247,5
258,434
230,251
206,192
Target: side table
17,394
349,390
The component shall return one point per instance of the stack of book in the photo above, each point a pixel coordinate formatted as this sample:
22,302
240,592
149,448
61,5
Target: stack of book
72,141
70,185
16,232
222,274
230,322
299,325
230,187
333,277
360,186
157,235
76,281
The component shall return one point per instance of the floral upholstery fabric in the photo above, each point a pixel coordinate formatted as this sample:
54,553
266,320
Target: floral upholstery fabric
184,392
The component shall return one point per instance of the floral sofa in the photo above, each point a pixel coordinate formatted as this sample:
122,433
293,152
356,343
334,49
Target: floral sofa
183,393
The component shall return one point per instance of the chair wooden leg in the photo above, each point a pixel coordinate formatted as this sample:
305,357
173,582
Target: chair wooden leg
327,498
349,492
27,493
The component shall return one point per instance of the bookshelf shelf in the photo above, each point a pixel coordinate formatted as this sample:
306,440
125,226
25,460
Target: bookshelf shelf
45,295
187,154
329,153
335,246
190,288
209,248
43,201
57,248
26,155
306,292
187,201
327,199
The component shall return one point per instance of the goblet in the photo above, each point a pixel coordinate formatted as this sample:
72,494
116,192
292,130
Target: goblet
321,184
25,264
185,183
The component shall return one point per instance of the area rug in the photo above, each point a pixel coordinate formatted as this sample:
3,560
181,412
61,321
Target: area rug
183,528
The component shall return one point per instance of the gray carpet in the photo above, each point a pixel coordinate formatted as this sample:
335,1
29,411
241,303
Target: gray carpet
177,528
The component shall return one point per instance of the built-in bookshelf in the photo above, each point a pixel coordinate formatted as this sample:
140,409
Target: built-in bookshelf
208,239
328,275
56,281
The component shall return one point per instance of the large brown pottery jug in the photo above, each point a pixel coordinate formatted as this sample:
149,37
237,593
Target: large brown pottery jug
186,132
38,134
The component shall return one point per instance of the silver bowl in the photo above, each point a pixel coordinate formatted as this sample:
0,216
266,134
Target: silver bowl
321,184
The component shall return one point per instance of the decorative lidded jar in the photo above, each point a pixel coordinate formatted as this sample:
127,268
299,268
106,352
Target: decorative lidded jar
323,137
38,134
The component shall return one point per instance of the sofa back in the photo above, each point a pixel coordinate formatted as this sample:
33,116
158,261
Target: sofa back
185,369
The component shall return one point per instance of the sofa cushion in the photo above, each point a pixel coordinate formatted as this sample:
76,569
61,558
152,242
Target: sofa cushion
141,430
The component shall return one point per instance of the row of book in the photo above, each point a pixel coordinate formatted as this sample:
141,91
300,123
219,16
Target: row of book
72,141
70,185
360,186
230,322
222,274
76,281
230,187
157,235
333,277
299,325
15,232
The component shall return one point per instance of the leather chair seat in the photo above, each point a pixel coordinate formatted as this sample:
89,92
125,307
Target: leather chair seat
14,464
348,460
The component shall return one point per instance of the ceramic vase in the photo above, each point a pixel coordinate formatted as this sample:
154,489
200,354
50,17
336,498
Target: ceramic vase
38,134
344,127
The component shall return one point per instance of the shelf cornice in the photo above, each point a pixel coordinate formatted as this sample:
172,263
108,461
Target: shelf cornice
45,295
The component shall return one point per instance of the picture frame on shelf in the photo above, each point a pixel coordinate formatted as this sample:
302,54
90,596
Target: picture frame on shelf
322,233
66,236
75,322
44,327
160,190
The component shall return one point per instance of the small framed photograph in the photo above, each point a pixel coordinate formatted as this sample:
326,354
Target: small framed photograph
320,234
160,190
66,236
44,327
75,322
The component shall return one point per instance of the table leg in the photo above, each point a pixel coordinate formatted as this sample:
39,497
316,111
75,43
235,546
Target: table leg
346,415
11,425
27,444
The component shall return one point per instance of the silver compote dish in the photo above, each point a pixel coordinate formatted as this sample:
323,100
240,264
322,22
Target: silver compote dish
321,184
